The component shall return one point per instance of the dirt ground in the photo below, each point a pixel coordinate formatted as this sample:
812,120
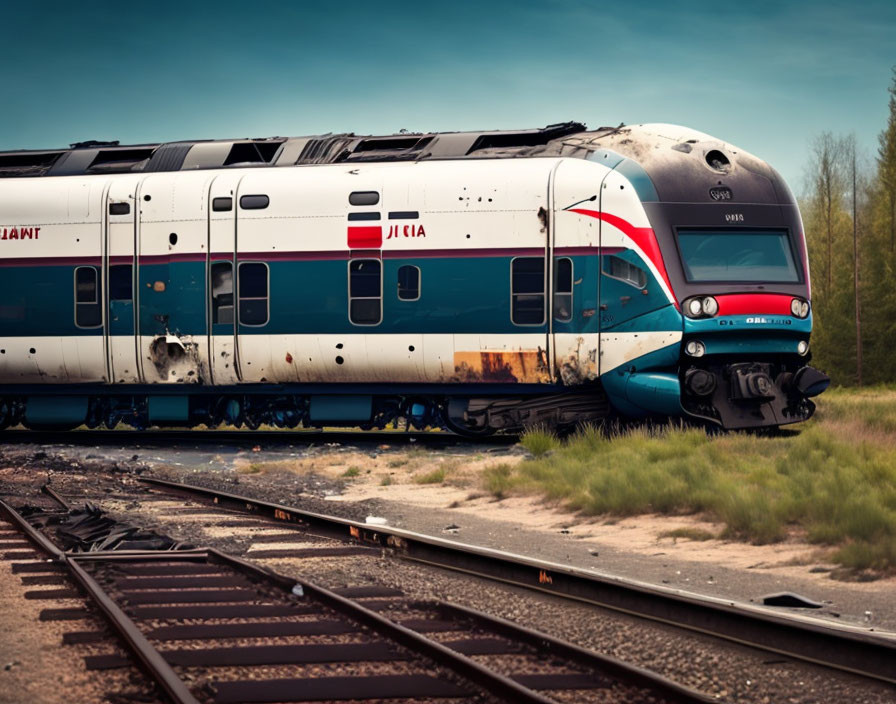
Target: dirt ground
407,477
435,488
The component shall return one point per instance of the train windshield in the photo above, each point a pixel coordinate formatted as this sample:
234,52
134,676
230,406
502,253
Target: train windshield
737,256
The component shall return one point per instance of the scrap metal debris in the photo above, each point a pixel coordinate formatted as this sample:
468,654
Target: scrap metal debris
90,529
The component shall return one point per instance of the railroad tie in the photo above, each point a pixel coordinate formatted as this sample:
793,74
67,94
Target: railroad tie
338,688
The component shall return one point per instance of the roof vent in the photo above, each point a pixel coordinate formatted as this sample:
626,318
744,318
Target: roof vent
527,138
252,152
27,163
110,161
93,144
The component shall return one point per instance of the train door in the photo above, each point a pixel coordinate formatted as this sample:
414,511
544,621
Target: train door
551,272
119,272
255,236
626,292
575,272
221,298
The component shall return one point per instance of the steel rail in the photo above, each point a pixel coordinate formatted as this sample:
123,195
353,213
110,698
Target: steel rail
848,648
548,645
469,669
150,438
31,533
145,653
466,668
48,490
150,658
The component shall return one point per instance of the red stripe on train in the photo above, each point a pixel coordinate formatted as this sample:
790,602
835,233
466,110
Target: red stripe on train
367,237
644,237
750,303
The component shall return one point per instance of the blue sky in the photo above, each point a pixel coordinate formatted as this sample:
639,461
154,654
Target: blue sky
766,76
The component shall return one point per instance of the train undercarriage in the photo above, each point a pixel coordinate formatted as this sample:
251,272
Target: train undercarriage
470,416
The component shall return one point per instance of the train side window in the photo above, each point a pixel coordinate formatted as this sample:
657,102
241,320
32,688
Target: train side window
88,313
222,292
222,204
365,292
253,293
563,289
259,202
527,291
618,268
363,198
121,282
409,283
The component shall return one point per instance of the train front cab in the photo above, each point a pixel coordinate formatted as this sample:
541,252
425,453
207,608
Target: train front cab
743,289
738,283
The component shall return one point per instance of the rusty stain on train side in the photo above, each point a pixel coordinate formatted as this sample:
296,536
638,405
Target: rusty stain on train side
505,366
580,365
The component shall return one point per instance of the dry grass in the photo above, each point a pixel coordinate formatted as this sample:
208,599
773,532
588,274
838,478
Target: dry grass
434,476
688,534
833,478
272,467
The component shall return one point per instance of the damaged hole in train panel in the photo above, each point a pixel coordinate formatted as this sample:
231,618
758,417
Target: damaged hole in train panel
717,160
175,357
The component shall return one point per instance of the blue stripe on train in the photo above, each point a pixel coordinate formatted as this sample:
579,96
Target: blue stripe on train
457,295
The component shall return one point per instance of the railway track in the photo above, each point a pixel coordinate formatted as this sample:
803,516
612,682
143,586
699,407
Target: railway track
267,438
210,627
850,649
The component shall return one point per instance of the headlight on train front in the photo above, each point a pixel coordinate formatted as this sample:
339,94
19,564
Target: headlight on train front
802,348
799,308
707,306
694,307
695,348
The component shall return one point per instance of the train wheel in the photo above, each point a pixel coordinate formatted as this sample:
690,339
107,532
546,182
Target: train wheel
227,410
453,412
466,431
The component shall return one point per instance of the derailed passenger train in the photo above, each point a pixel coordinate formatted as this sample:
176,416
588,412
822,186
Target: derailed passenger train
479,281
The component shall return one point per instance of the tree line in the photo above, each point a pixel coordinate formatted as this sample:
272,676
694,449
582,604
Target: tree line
849,214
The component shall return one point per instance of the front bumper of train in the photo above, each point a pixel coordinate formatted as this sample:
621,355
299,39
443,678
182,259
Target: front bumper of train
751,372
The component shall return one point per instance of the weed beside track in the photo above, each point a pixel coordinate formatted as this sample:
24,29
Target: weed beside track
832,480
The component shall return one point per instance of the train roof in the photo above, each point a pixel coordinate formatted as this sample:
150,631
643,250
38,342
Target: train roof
95,157
679,161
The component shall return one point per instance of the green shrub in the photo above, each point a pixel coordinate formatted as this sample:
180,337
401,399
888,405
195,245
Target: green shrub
539,441
435,476
833,477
